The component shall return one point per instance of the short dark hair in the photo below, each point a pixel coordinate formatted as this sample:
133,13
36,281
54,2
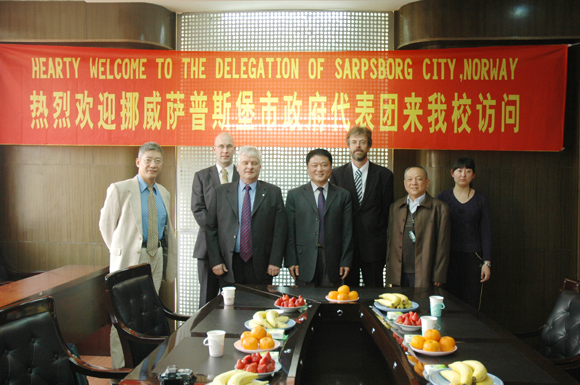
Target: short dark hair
320,152
464,162
360,130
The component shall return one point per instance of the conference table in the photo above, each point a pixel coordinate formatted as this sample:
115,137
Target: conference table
345,343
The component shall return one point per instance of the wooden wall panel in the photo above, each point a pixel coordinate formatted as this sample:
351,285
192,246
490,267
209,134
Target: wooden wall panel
121,25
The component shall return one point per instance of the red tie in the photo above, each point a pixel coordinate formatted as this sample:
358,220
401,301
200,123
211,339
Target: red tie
246,227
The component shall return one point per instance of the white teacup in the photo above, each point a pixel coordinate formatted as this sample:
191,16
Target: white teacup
435,299
229,294
215,340
428,322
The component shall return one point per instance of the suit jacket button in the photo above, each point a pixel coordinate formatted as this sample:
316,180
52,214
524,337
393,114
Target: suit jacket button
400,247
138,251
235,236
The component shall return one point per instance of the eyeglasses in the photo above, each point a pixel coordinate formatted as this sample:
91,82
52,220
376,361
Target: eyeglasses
149,161
222,146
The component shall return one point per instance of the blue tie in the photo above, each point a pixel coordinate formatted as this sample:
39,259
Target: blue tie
321,203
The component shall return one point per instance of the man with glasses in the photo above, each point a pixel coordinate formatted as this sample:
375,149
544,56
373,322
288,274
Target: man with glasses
204,183
135,223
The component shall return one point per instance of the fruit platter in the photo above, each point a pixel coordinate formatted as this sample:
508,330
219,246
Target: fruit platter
255,341
263,364
395,302
269,319
408,322
432,344
469,372
343,294
290,304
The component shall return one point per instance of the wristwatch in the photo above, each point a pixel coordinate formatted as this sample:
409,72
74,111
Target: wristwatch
488,264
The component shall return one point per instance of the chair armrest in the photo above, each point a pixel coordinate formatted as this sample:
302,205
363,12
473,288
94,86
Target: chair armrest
530,334
175,316
134,336
82,367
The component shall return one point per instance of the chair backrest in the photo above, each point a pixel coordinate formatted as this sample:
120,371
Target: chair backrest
135,303
560,336
30,342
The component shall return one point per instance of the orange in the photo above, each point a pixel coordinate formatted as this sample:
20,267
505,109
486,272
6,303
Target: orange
245,334
447,344
266,343
250,343
432,334
353,295
259,332
431,346
268,335
333,294
342,297
412,360
419,367
417,342
344,289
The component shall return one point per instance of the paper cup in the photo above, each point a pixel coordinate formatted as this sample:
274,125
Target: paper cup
428,322
215,341
229,294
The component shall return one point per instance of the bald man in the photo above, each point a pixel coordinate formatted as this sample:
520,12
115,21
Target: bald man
204,183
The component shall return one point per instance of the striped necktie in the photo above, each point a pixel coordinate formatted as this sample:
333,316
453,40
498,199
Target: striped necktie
358,185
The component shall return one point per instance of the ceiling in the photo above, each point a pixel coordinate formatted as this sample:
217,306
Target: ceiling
183,6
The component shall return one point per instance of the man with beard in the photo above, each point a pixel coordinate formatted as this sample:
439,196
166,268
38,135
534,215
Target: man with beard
371,189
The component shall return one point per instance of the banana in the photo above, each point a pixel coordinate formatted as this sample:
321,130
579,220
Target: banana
464,370
271,316
281,325
242,378
258,318
392,301
452,376
403,297
252,324
223,378
283,318
487,381
479,370
267,325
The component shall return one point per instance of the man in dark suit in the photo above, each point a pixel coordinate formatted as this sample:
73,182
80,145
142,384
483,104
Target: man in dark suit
319,251
370,208
246,226
204,183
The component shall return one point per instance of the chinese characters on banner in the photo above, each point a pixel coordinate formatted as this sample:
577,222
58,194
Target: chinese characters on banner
499,98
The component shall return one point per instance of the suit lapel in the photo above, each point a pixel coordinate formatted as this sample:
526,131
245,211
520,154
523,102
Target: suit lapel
309,196
215,178
370,182
331,196
232,196
261,192
135,200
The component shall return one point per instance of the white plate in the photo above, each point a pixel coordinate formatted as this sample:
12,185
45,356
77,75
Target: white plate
407,328
434,354
290,324
268,374
437,379
238,345
341,300
414,307
292,309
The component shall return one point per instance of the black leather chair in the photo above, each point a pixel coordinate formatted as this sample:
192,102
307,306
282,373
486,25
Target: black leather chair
137,313
33,351
559,337
8,274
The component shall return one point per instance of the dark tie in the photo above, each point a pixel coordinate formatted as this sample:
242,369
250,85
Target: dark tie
152,233
246,227
321,203
358,185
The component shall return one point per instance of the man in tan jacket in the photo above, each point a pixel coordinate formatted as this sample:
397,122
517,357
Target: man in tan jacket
419,235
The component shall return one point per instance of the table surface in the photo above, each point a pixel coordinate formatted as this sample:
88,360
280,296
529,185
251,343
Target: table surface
477,337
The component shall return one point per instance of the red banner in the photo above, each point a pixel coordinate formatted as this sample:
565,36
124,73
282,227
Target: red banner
499,98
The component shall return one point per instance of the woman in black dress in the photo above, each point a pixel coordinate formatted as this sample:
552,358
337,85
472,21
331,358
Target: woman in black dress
470,259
